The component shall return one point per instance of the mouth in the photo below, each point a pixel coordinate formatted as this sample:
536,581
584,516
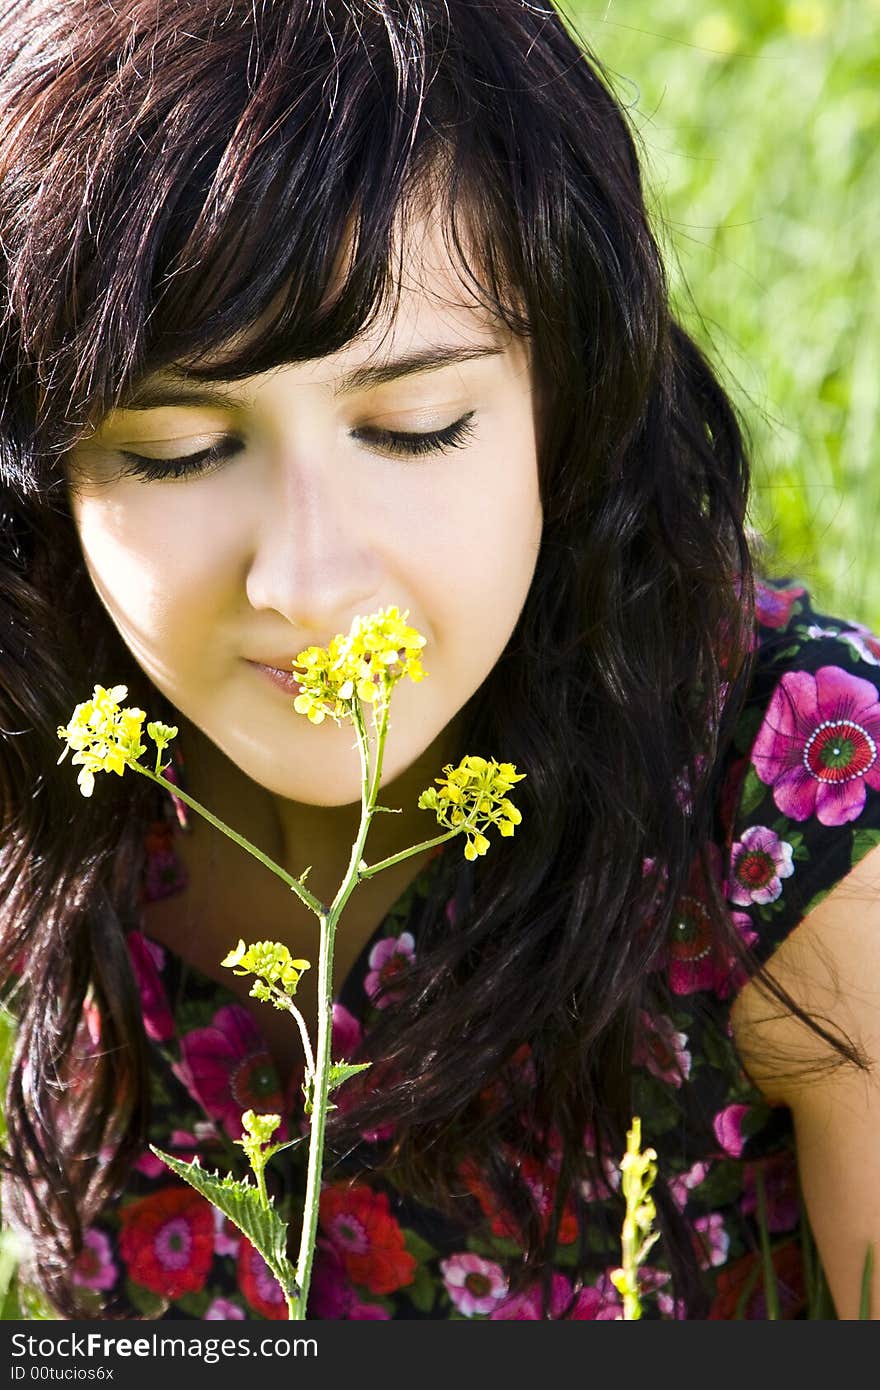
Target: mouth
283,679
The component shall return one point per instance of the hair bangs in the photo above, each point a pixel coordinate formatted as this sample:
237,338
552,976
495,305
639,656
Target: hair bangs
230,219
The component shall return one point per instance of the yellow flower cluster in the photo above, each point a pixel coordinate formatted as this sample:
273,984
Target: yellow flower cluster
278,973
104,737
474,795
378,651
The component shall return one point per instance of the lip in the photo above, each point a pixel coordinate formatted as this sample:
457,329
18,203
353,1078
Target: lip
285,680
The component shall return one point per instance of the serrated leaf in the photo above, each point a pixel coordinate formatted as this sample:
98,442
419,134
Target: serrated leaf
240,1202
341,1071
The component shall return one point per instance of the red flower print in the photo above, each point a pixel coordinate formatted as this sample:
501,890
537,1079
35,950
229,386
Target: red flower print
228,1068
258,1283
358,1224
167,1241
818,745
740,1293
773,606
541,1182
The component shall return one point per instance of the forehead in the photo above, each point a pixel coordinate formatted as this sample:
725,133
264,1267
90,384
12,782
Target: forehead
431,300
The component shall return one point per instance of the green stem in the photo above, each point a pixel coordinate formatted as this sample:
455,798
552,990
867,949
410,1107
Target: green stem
328,921
367,870
293,883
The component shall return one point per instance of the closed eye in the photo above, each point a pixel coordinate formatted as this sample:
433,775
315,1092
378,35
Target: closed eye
397,442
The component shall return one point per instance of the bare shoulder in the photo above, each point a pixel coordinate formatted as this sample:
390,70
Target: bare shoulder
830,965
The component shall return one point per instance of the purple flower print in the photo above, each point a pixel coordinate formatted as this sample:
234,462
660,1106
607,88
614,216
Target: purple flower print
684,1183
347,1033
389,959
95,1268
227,1067
475,1285
779,1173
597,1304
728,1129
333,1297
662,1050
758,864
711,1241
817,746
147,959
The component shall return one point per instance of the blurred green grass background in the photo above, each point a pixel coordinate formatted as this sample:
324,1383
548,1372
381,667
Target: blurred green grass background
759,124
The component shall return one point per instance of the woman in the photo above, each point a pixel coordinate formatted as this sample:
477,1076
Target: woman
313,309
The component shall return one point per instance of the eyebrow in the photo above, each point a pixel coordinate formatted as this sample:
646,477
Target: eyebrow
179,391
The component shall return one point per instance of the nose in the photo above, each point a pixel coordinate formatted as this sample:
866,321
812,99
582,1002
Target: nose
312,560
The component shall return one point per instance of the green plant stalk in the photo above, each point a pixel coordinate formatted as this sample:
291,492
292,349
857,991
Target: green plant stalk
630,1243
771,1288
369,791
293,883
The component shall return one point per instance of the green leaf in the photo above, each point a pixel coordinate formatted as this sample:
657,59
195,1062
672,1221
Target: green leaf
341,1071
753,793
421,1290
863,840
240,1201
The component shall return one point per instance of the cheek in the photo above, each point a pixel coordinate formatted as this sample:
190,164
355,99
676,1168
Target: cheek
147,569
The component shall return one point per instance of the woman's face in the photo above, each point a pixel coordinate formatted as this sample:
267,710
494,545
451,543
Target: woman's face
341,485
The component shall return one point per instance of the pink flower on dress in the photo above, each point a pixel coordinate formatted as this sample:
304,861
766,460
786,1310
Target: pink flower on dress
599,1302
758,864
711,1241
226,1236
662,1050
147,959
222,1310
728,1129
817,746
95,1267
228,1069
682,1185
773,606
475,1285
347,1033
389,959
149,1165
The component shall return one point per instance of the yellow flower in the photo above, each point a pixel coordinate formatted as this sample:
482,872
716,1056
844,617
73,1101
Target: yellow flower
473,796
377,652
104,737
273,965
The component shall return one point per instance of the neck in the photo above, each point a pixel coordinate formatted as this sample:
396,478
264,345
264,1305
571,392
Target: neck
297,835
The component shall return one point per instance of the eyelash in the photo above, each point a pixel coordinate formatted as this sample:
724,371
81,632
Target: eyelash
454,436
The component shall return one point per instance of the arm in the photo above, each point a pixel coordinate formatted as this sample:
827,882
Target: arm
830,965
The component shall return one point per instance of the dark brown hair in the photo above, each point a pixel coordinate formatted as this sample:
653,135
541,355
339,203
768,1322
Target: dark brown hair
169,174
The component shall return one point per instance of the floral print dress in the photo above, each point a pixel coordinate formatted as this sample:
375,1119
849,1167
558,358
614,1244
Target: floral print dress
799,806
